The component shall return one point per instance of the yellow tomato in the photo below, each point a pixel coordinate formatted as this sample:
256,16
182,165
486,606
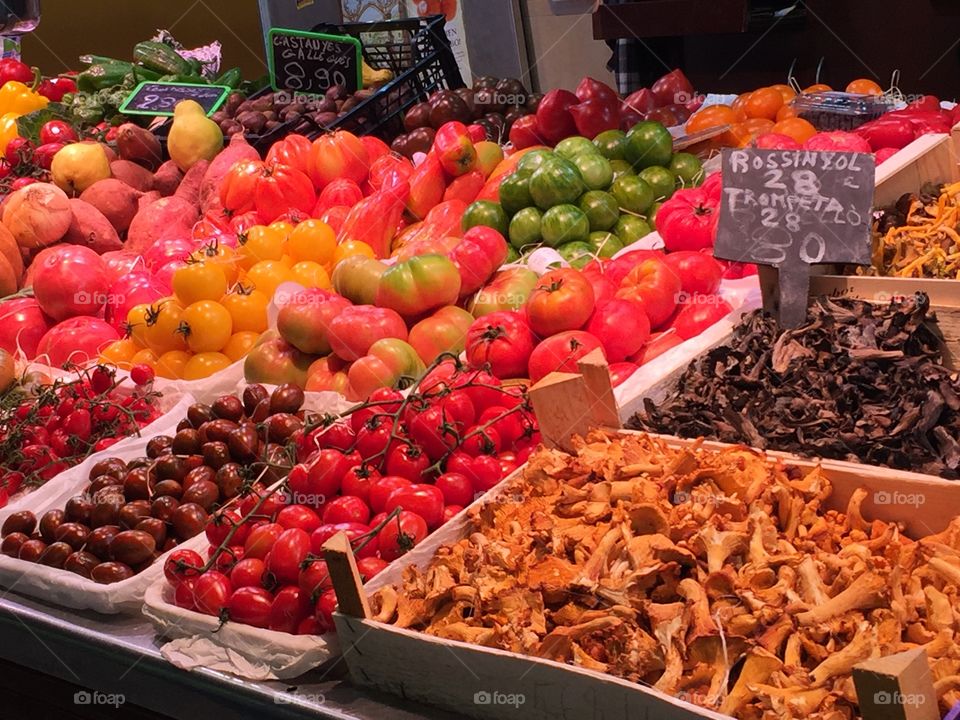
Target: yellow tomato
120,352
260,243
199,281
311,274
283,227
207,326
239,344
221,255
203,365
248,308
171,364
349,248
163,325
312,240
137,323
267,274
144,357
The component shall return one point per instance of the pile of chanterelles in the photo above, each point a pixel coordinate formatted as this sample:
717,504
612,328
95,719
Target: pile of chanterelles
717,577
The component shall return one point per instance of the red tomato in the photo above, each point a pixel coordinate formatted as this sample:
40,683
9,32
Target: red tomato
251,606
836,141
603,286
287,610
621,371
561,300
290,549
356,328
338,155
58,131
526,133
212,592
425,500
501,342
700,312
220,525
622,328
339,436
672,88
482,388
655,286
554,120
593,117
372,441
370,567
688,220
346,509
591,89
698,271
382,488
509,427
456,487
281,189
185,595
325,607
357,481
560,352
380,402
261,539
292,151
354,531
641,102
315,577
658,344
454,149
325,474
401,534
408,461
248,572
458,407
433,431
483,471
481,442
298,516
182,565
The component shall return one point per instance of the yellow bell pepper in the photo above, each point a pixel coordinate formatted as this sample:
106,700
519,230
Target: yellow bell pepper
8,129
16,99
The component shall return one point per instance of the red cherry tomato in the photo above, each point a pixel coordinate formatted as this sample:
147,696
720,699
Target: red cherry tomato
408,461
290,549
212,592
401,534
354,532
381,489
261,540
182,565
251,606
287,610
425,500
299,516
248,572
185,595
457,488
357,481
346,509
315,577
326,604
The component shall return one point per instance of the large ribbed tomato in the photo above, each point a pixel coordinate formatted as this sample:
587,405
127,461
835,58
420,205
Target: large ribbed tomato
561,300
338,155
280,189
293,151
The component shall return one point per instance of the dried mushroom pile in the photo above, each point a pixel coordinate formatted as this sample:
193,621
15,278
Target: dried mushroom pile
920,236
717,577
858,382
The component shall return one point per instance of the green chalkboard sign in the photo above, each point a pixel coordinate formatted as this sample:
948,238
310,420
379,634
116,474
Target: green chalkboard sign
160,98
312,63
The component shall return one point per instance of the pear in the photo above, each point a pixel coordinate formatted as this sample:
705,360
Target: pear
193,136
79,165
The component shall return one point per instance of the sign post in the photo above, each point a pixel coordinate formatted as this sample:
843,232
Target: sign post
313,63
790,209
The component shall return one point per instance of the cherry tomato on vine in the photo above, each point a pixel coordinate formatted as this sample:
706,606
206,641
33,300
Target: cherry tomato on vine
212,592
408,461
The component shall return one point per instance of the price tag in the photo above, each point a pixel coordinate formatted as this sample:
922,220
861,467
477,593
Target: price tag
313,62
160,98
790,209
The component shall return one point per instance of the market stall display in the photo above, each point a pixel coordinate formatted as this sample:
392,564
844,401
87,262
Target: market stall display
267,321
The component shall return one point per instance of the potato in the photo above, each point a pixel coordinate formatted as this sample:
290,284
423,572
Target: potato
114,200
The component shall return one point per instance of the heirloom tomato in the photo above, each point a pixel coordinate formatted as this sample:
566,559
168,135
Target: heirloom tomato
560,352
304,321
477,256
335,155
387,362
276,362
357,277
455,150
507,290
698,272
501,341
561,300
444,331
655,286
327,373
419,284
621,326
358,327
293,151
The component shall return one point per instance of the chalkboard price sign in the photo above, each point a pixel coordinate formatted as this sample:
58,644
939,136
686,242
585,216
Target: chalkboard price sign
313,62
160,98
790,209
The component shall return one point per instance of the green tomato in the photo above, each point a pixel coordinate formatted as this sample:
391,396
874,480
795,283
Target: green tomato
563,224
652,214
595,171
649,143
633,194
688,170
621,168
612,144
556,183
601,209
488,213
660,179
631,228
515,193
525,228
532,161
512,254
577,253
604,244
573,146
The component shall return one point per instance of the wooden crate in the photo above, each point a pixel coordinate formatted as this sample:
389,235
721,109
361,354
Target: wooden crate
928,159
481,682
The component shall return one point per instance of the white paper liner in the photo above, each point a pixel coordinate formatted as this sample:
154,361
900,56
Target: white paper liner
242,650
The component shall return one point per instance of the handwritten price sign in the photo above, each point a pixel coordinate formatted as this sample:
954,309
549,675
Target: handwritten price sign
313,62
790,209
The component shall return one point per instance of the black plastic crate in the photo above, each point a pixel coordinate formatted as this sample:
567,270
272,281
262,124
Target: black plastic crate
418,52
